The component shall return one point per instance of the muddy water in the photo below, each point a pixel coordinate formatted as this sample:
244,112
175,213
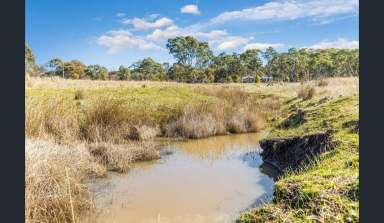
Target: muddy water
203,181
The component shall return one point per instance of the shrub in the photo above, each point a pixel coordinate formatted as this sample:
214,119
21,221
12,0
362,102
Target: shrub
306,92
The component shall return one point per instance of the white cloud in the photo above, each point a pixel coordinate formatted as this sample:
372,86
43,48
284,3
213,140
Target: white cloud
340,43
142,24
290,10
116,40
120,14
173,31
190,9
232,43
262,46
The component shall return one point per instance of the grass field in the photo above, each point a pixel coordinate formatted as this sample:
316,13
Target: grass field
328,189
111,124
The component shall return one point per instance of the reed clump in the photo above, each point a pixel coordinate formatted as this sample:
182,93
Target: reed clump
55,181
306,93
119,157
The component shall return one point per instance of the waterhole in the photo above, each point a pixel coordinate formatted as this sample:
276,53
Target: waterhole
201,181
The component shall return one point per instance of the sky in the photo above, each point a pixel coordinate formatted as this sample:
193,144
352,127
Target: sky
120,32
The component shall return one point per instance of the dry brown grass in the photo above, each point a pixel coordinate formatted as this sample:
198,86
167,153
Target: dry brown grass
108,120
221,117
56,175
306,92
55,188
322,83
197,121
51,118
79,94
119,157
245,121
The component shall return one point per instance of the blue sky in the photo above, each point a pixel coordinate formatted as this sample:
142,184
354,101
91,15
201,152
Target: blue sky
115,32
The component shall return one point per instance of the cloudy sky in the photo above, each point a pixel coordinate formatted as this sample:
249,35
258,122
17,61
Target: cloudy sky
115,32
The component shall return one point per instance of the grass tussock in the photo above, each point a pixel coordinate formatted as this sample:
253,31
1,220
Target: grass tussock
51,118
197,121
206,119
55,188
79,94
119,157
306,92
323,83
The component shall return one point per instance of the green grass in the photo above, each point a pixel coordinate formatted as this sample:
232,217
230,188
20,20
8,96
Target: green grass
327,189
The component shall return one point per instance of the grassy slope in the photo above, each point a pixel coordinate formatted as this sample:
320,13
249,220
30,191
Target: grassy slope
327,190
328,187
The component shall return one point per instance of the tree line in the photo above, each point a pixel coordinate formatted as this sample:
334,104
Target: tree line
196,63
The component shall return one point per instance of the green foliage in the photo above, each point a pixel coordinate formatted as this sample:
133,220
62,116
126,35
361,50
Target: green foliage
195,63
30,65
189,51
251,61
307,64
228,68
56,67
326,190
74,69
180,73
123,73
97,72
148,69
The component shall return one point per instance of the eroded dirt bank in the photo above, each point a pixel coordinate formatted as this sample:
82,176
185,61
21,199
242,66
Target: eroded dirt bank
293,152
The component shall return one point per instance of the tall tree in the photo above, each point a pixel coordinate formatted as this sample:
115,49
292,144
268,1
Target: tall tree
56,67
96,72
74,69
123,73
251,61
29,60
148,69
228,68
189,51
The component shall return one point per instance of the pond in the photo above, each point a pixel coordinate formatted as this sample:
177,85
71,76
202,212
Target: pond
206,180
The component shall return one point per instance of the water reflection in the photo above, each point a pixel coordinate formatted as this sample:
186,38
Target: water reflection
207,180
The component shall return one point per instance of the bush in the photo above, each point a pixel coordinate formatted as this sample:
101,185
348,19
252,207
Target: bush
306,92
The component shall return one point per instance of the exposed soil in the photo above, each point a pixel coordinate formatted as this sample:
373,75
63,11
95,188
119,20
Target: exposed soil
291,153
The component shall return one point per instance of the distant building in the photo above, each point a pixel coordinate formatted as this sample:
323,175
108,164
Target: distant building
266,79
248,79
112,75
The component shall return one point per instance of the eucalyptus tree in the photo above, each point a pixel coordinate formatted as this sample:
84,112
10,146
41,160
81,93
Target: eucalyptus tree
123,73
188,51
97,72
29,61
148,69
